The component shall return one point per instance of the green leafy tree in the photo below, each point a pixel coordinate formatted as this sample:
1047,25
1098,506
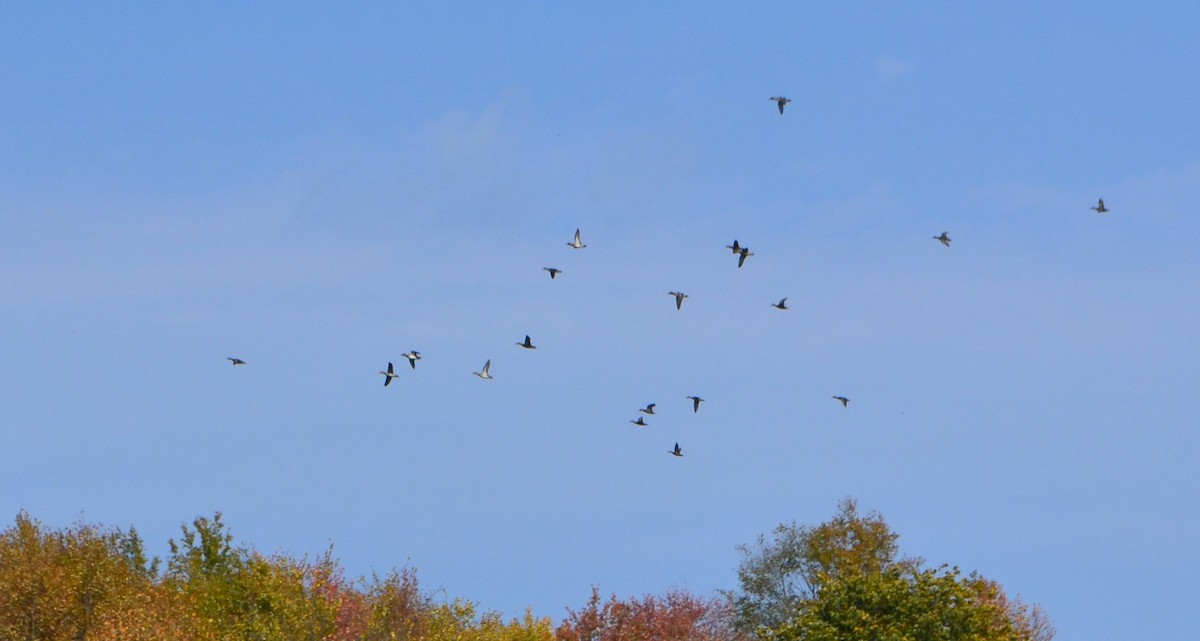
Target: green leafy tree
844,579
778,574
902,604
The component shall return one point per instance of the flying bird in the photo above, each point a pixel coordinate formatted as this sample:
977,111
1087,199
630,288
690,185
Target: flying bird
413,357
486,373
676,451
781,101
527,344
743,253
648,410
554,271
577,243
1100,208
782,304
389,375
944,238
843,400
235,361
735,247
640,422
679,296
696,400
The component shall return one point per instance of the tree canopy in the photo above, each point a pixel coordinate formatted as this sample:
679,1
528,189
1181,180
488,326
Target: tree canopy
842,579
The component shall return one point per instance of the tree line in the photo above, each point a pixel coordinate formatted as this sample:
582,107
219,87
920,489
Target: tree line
840,580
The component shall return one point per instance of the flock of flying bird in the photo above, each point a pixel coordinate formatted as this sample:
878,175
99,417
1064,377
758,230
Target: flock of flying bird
741,251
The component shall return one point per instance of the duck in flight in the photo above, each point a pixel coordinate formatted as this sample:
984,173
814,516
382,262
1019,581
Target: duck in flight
649,409
781,101
389,375
696,400
1100,208
486,373
679,296
944,238
640,422
412,357
735,247
527,344
577,243
743,253
843,400
676,451
235,361
554,271
782,304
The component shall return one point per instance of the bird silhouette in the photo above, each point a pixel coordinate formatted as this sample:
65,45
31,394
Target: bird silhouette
676,451
843,400
679,296
782,304
577,243
696,400
640,422
1100,208
412,357
735,247
554,271
527,344
389,375
944,239
486,373
743,253
649,409
235,361
781,101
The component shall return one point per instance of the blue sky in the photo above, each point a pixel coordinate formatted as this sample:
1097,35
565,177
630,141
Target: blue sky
317,190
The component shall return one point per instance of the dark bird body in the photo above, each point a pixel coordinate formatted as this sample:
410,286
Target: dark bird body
743,254
389,375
